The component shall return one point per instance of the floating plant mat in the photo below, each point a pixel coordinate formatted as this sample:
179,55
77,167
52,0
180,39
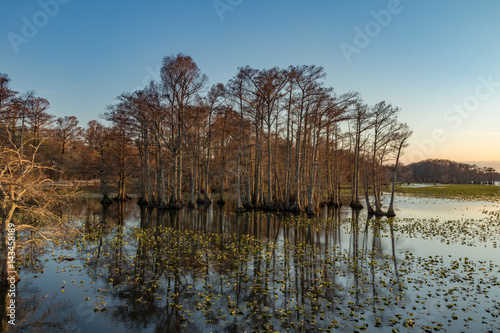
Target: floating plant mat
464,192
471,232
350,274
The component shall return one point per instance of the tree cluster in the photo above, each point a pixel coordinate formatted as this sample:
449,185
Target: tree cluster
25,118
449,172
273,138
269,138
28,198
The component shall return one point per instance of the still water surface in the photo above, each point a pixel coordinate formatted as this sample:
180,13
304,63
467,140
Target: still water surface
434,267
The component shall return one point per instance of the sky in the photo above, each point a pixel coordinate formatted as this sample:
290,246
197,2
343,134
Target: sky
439,61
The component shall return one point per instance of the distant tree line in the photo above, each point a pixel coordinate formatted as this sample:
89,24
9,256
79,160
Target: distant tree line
269,138
449,172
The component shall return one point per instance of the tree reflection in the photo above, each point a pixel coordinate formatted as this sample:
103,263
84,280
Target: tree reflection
205,269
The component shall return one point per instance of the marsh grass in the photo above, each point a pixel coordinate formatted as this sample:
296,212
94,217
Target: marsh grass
453,191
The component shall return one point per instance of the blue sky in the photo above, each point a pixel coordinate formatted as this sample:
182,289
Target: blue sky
439,61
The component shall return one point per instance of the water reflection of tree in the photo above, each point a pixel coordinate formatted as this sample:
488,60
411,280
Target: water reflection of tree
195,269
36,311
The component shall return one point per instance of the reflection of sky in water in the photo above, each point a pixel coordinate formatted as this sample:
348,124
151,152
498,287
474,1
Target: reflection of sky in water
444,209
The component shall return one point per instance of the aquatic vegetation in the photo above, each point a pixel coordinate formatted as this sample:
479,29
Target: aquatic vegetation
470,232
265,272
453,191
305,281
241,280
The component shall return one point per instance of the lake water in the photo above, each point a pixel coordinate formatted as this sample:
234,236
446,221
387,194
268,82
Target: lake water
434,267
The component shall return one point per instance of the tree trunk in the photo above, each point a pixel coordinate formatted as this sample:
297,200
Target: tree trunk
328,166
390,211
288,162
367,199
377,203
256,192
311,208
355,197
122,177
192,199
179,179
296,206
160,180
277,188
175,198
239,205
147,173
269,203
206,198
338,167
104,190
222,172
143,199
366,187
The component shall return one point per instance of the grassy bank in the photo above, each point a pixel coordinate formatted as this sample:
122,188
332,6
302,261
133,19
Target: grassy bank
453,191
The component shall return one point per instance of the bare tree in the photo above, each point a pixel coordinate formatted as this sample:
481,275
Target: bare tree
7,95
306,80
67,129
158,124
97,139
246,92
235,91
360,123
9,106
25,191
37,117
383,123
182,80
214,103
272,135
400,142
120,138
135,111
327,110
269,85
22,106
